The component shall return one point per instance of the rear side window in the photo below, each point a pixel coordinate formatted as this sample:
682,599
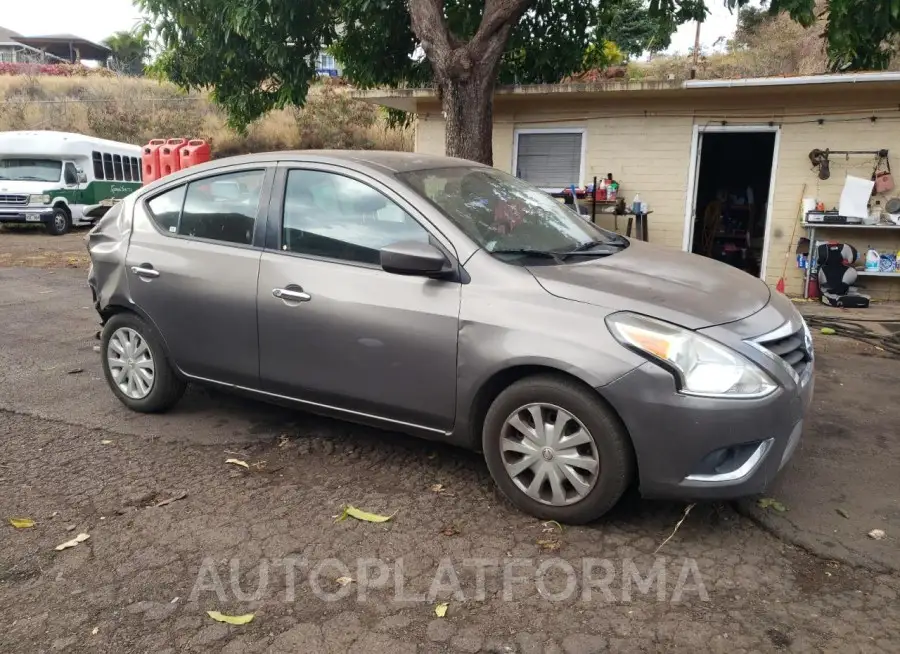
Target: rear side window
165,209
221,208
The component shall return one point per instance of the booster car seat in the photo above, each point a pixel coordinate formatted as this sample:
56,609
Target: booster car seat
837,274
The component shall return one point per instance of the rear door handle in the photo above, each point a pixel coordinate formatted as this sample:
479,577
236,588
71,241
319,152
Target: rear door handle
291,295
143,271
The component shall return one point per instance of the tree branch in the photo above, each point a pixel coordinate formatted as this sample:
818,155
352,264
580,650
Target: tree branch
498,14
431,29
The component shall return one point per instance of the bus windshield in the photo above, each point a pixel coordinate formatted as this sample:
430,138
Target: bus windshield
30,170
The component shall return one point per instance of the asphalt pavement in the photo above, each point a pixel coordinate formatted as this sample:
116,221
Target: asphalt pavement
175,531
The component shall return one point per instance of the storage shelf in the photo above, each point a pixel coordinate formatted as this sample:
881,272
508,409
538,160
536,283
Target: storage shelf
862,273
847,226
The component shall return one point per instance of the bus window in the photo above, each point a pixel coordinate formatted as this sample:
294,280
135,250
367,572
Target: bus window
98,165
108,166
126,168
117,167
136,169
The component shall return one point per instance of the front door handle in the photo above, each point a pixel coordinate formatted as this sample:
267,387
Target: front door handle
144,271
291,295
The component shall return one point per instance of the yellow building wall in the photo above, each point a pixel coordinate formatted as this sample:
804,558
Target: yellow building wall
650,154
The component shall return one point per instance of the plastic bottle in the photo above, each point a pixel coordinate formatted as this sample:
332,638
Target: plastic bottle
875,214
872,259
612,191
601,191
636,205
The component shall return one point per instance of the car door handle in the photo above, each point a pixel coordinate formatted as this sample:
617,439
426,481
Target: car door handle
142,271
291,295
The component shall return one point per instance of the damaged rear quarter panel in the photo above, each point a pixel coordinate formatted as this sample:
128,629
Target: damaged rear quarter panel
107,244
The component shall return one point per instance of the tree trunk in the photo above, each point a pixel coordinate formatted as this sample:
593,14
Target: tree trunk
466,72
469,121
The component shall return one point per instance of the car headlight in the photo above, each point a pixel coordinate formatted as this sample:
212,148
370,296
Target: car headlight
701,365
39,199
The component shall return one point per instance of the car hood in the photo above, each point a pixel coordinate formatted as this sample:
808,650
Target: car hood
686,289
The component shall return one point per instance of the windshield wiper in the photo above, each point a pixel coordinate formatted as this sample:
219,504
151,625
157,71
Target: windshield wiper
534,253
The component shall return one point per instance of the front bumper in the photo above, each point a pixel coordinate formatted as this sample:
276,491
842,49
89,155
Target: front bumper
26,214
681,441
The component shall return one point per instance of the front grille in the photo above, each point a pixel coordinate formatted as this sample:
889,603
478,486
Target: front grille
14,200
792,349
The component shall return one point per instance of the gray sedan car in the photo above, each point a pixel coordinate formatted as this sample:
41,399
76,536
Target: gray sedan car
451,301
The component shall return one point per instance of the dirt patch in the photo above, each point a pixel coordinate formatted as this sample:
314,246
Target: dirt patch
28,246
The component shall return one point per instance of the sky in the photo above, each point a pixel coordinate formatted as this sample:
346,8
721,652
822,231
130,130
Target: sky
96,19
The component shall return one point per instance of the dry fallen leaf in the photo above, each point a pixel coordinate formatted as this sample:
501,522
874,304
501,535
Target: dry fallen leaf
549,545
440,610
877,534
769,503
353,512
437,488
105,442
450,530
21,523
95,631
230,619
80,538
343,581
238,462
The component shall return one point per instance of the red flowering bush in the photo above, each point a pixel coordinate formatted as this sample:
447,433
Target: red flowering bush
56,70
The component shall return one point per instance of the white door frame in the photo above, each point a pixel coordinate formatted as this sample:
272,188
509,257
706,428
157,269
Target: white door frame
550,130
694,178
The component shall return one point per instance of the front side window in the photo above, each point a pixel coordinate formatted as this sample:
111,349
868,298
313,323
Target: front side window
222,208
70,174
30,170
508,216
337,217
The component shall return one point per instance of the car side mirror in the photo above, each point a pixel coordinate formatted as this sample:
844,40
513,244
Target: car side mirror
414,258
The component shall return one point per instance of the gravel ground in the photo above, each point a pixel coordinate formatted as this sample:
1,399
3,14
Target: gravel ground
264,539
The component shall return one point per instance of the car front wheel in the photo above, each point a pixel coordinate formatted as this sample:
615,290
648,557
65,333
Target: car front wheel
136,367
556,450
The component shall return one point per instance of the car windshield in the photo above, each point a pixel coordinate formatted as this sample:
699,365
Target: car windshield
509,217
30,170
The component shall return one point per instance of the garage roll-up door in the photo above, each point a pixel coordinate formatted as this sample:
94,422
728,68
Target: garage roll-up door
551,160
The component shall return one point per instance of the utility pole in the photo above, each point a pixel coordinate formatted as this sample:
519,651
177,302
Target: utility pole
696,51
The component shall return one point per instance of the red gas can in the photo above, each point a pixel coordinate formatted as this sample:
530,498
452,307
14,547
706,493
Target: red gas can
195,151
150,161
169,158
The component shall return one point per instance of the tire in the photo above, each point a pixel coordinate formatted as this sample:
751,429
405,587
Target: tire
165,388
61,222
606,441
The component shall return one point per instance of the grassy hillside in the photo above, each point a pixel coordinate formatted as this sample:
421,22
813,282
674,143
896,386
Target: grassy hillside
136,110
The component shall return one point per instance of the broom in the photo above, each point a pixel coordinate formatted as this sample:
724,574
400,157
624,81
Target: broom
780,285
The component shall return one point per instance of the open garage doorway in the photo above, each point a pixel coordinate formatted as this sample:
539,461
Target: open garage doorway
730,195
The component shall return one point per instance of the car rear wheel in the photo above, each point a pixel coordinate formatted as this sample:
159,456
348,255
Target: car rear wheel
136,367
556,450
60,223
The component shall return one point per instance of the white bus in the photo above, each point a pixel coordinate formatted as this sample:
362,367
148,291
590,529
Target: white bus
61,179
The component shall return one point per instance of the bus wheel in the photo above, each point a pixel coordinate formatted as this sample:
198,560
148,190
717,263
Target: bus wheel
60,223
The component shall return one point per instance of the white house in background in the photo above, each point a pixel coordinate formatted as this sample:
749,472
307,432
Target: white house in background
13,52
327,65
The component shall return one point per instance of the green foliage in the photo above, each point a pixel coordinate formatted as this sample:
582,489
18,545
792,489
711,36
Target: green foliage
129,50
257,55
859,33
